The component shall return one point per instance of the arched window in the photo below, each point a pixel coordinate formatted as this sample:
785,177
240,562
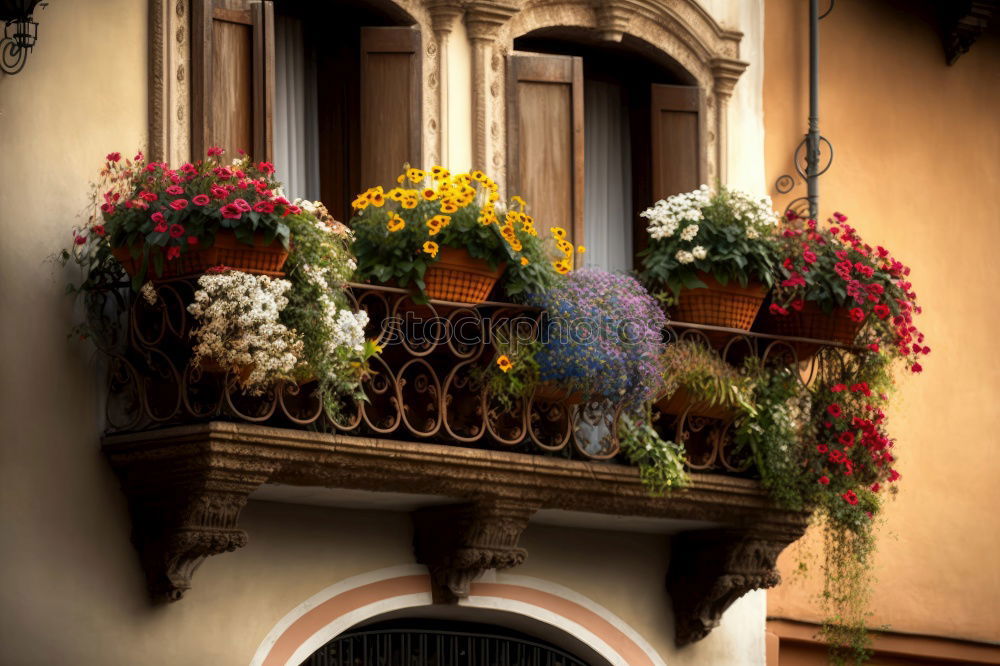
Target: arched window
438,643
620,123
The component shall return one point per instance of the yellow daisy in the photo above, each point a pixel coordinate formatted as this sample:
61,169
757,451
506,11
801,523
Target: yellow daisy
558,232
524,261
504,363
431,248
415,175
396,223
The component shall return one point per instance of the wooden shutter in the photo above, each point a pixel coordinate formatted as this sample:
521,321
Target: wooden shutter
545,138
390,103
232,56
676,139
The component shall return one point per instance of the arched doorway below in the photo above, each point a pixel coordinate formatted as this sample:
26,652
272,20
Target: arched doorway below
436,642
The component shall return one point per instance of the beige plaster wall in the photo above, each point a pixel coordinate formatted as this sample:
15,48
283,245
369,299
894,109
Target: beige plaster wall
916,169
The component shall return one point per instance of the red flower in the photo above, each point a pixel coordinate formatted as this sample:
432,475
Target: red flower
114,157
174,190
882,311
231,212
264,207
776,309
916,367
219,192
894,475
176,231
99,229
110,207
242,205
80,240
148,196
809,256
846,438
875,487
217,269
795,281
266,167
158,218
291,209
857,314
873,346
214,151
192,240
798,304
161,227
822,448
824,480
179,204
200,200
840,217
837,388
850,497
173,252
834,411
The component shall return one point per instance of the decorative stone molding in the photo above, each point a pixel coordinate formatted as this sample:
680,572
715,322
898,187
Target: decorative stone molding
187,484
711,569
726,72
169,91
965,21
459,543
444,14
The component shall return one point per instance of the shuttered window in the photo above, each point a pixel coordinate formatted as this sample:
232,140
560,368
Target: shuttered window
676,150
545,138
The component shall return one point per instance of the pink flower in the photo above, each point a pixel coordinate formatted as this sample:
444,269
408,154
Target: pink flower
809,256
219,192
214,151
148,196
80,240
795,280
850,497
834,410
174,190
108,208
798,304
158,218
231,212
777,309
176,230
160,228
200,200
266,167
99,229
179,204
857,314
192,240
242,205
291,209
824,480
264,207
114,157
173,252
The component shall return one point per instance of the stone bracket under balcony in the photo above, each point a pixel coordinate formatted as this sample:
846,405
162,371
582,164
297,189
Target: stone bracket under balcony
187,484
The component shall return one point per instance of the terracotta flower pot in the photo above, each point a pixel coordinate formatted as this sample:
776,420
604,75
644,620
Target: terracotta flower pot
681,401
226,251
731,305
459,277
552,392
812,322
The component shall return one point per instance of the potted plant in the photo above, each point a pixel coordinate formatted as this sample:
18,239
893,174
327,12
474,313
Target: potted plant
697,381
448,236
601,338
169,223
833,285
713,252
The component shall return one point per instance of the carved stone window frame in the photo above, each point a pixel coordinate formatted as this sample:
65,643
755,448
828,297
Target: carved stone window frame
170,63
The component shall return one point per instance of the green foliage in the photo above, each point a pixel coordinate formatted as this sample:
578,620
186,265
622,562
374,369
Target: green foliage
518,348
707,379
660,462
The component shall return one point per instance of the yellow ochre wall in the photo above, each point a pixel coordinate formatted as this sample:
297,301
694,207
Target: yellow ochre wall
917,168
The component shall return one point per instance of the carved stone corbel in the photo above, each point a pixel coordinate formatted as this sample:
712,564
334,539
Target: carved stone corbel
612,19
458,543
711,569
184,504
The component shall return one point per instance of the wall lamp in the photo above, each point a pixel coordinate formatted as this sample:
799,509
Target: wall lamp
20,32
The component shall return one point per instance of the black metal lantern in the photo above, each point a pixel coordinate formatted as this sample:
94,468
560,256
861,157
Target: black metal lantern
20,33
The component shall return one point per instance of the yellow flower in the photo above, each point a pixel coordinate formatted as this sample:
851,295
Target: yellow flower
581,249
436,223
415,175
409,202
376,196
508,233
449,207
493,198
519,201
360,203
439,172
396,194
431,248
396,223
429,193
516,245
524,261
400,178
504,363
558,232
565,246
561,266
478,175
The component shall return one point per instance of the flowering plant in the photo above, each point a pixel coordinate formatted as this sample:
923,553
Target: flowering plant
399,232
705,377
602,337
727,234
833,267
160,213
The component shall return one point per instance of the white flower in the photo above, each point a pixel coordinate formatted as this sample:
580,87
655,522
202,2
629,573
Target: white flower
684,257
699,252
689,232
148,292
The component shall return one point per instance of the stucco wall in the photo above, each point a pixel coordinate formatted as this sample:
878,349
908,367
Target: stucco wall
71,589
916,169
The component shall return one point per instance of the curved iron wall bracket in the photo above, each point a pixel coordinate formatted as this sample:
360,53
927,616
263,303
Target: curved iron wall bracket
20,33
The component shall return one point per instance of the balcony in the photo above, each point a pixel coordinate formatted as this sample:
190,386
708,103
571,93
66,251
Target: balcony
190,449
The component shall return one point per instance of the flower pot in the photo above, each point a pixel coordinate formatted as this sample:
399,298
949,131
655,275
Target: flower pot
812,322
731,305
552,392
226,251
459,277
681,400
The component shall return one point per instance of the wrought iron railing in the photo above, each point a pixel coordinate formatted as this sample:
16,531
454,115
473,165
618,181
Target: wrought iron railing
426,384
